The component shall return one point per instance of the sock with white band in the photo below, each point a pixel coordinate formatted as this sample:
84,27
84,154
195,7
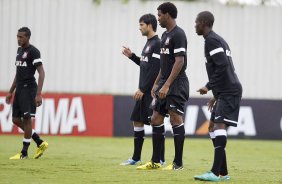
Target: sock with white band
138,142
219,150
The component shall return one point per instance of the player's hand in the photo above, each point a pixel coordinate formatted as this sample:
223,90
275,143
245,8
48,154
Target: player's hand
8,98
138,95
163,91
203,90
211,126
211,103
126,51
38,100
153,91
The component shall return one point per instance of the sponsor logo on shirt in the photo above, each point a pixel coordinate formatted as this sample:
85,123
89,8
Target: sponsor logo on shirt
24,55
144,58
164,51
21,63
167,41
147,49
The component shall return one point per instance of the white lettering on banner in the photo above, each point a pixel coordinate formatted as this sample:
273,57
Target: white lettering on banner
62,121
191,117
75,118
5,116
48,120
246,123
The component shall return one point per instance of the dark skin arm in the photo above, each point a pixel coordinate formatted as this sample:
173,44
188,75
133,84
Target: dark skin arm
11,91
155,86
179,62
41,72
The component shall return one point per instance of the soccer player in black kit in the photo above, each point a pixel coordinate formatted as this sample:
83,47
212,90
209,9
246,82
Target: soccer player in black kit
171,88
28,93
227,92
149,63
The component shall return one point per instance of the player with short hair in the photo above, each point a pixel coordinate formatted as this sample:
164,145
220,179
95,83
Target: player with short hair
28,93
171,88
149,63
227,92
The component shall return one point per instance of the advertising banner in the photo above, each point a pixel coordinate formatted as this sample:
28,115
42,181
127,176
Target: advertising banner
260,119
66,114
107,115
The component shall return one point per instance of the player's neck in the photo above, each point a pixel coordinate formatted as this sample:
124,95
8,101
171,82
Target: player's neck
207,32
25,45
151,35
171,24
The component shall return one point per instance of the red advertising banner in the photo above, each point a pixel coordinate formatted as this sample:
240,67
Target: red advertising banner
66,114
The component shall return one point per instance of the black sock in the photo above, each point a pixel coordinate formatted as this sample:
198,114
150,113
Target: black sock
163,149
212,136
138,143
179,136
36,138
157,138
223,168
219,150
25,148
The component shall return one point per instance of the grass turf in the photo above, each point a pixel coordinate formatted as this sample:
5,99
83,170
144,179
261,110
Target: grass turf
96,160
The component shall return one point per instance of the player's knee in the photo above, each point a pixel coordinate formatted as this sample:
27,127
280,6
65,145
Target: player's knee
175,119
138,124
16,120
155,120
218,126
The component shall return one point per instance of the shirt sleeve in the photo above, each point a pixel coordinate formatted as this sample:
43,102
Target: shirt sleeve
219,60
180,44
135,59
36,58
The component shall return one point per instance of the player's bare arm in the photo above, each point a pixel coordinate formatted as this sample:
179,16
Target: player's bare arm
155,86
41,72
179,62
211,103
11,91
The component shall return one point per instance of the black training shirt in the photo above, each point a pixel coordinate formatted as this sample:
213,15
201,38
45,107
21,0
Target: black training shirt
220,68
149,63
173,44
26,62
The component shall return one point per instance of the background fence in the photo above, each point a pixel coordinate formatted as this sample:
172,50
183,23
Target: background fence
81,43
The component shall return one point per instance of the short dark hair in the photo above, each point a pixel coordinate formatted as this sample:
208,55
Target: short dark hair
207,17
149,19
169,8
26,30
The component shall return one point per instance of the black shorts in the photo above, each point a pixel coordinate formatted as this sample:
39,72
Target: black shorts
176,98
226,110
141,111
24,101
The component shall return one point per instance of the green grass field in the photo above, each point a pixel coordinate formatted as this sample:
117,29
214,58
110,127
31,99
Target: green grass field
96,160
